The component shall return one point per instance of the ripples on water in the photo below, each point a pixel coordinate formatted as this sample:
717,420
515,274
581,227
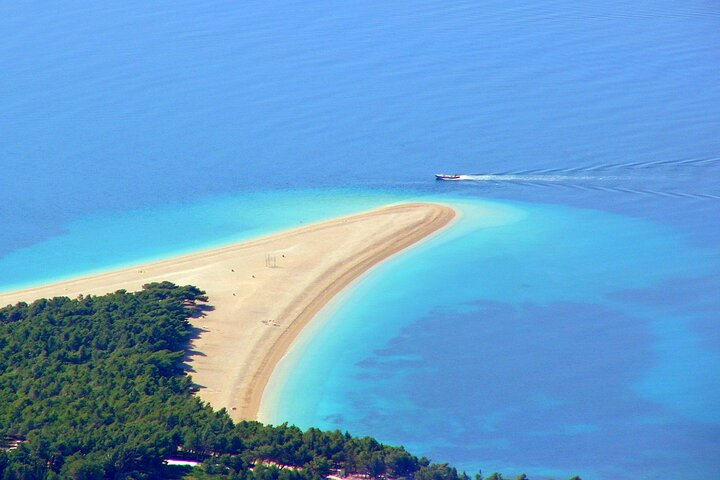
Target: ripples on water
670,178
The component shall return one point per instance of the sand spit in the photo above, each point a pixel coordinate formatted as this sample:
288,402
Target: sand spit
264,291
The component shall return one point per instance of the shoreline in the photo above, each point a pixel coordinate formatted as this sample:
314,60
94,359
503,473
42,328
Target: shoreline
422,232
260,309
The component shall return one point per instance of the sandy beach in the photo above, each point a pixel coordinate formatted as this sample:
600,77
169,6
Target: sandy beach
264,292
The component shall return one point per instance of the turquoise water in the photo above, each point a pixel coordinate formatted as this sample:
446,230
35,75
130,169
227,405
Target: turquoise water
98,242
521,342
567,324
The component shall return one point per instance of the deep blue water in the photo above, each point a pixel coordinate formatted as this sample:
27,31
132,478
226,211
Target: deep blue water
568,323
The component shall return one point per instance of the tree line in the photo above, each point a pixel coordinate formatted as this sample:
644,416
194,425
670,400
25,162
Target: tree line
95,387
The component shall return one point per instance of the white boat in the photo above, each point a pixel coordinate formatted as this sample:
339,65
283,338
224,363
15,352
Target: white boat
443,176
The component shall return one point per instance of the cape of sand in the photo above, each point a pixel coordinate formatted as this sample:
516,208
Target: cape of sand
260,309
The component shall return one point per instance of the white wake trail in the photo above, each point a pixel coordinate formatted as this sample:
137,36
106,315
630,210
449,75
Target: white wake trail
534,178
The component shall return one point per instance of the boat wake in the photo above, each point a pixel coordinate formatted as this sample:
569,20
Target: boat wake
672,178
508,177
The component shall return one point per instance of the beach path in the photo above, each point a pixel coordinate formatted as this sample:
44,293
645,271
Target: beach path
263,292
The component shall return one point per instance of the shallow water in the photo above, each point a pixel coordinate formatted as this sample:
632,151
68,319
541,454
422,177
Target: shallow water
566,325
535,345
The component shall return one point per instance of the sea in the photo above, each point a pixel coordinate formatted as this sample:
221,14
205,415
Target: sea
566,324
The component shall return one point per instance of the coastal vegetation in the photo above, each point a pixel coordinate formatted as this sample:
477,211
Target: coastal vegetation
96,387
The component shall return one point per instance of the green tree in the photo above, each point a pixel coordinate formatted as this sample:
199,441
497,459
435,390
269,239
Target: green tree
79,468
97,388
319,467
437,472
400,463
